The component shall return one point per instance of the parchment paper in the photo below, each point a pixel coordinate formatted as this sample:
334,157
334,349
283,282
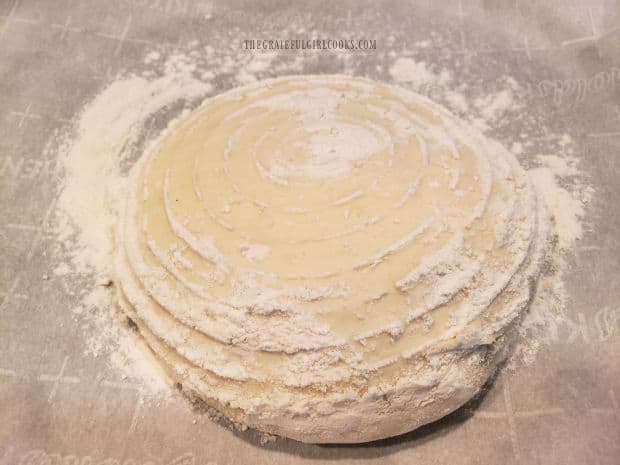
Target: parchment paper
58,406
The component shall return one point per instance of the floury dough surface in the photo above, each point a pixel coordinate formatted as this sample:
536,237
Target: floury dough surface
329,259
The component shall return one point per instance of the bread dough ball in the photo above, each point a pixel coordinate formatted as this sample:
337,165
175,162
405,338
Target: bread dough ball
328,258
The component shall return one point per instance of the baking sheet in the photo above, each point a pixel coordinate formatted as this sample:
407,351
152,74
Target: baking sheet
60,406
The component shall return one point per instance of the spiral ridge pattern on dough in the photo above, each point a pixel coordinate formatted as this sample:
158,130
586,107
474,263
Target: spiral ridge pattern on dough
328,258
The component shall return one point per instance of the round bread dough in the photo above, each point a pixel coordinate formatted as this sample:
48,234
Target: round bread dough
328,258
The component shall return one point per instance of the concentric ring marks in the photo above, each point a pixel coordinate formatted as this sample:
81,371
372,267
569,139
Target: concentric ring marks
306,240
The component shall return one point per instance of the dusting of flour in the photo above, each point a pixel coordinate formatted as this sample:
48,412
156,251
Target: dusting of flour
112,130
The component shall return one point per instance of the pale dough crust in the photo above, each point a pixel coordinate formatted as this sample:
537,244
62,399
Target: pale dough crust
330,259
